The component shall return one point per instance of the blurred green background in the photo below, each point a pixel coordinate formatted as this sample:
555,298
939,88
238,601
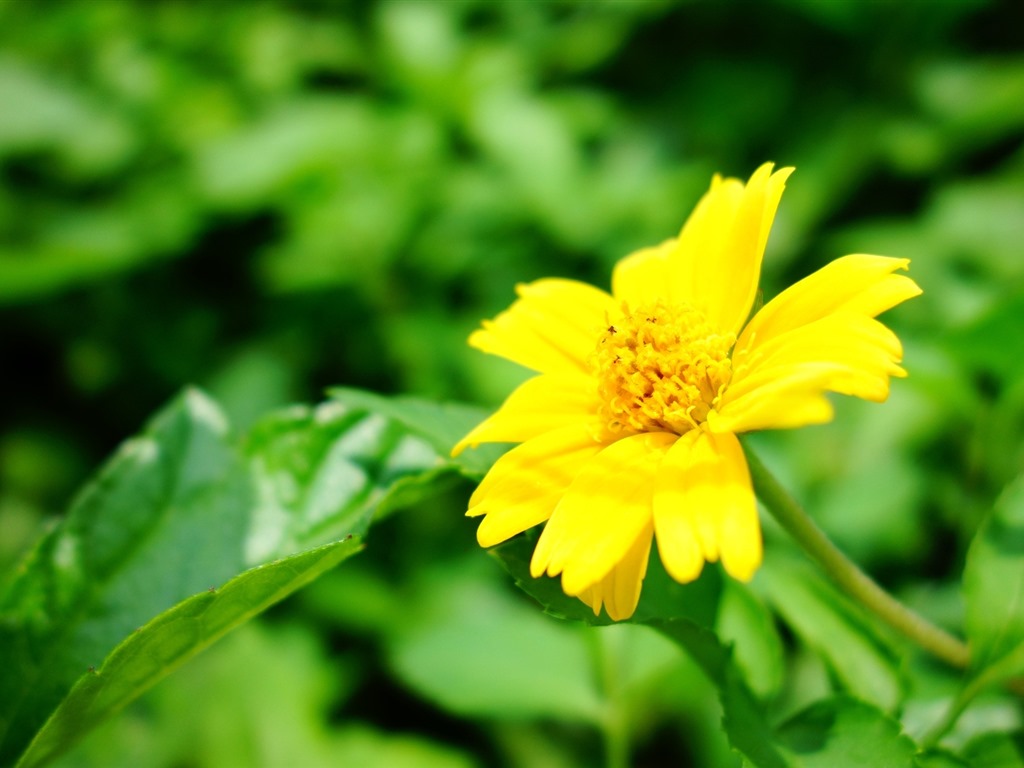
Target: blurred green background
268,199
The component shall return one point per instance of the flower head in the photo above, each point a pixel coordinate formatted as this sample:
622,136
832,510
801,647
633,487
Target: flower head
628,433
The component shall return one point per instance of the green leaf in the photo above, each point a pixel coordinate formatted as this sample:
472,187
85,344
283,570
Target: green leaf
744,718
369,748
825,621
166,518
992,343
86,135
442,425
835,733
216,713
937,758
845,733
996,750
661,598
171,639
681,612
322,473
994,589
470,647
178,511
746,623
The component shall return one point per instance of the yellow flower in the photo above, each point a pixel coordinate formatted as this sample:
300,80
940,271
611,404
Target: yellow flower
629,432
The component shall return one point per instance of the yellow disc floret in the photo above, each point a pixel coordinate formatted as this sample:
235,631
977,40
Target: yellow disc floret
660,367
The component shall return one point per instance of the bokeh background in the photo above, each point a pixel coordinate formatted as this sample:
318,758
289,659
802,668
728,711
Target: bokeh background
267,199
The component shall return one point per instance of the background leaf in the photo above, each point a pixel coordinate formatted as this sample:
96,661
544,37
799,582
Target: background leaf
995,750
322,473
478,651
442,425
285,682
171,639
846,733
939,759
827,621
272,199
166,518
994,588
661,598
745,622
175,514
672,609
744,718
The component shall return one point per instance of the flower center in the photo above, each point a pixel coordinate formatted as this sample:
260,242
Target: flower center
660,368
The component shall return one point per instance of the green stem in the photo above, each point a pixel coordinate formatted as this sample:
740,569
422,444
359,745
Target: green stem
614,725
848,576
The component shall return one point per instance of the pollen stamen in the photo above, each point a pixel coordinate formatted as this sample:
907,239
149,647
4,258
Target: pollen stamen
660,368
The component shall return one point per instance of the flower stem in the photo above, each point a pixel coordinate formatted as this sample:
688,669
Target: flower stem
847,575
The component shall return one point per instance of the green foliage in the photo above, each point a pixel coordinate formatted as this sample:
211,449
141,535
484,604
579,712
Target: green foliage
166,519
170,639
442,425
746,623
835,732
994,590
745,719
995,750
825,620
662,598
269,200
284,681
842,732
174,515
553,676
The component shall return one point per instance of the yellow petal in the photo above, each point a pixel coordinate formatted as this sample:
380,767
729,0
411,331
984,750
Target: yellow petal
780,383
524,486
541,404
676,521
858,284
552,328
619,591
717,262
604,510
864,351
704,508
643,277
793,397
883,295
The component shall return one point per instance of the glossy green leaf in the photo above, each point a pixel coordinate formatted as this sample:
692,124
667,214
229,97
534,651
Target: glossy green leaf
846,733
172,638
994,589
165,519
828,624
442,425
322,473
179,511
